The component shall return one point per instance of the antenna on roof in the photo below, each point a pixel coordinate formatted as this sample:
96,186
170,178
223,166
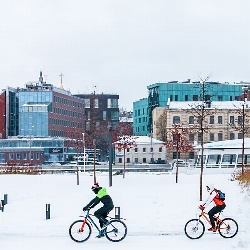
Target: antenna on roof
61,86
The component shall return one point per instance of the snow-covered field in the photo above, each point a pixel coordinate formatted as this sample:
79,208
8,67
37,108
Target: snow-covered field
155,207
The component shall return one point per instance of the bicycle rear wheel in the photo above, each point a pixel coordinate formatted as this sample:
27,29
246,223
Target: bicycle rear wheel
116,230
228,228
194,229
79,232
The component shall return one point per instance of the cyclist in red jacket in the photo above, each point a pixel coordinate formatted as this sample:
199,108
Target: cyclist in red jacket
219,205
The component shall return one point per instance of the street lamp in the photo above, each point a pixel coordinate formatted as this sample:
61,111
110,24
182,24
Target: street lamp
84,153
30,142
94,143
243,129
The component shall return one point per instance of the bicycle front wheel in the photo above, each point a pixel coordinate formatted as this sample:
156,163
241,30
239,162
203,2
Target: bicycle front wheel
80,231
116,230
194,229
228,228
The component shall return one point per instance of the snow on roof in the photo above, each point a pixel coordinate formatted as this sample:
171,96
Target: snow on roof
139,140
237,143
214,105
147,140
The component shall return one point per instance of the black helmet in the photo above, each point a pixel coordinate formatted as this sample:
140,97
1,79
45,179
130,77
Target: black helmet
95,188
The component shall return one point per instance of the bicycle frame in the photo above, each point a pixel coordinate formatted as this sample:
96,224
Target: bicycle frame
88,218
218,221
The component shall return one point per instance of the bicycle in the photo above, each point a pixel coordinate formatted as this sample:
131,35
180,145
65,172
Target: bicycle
81,230
195,228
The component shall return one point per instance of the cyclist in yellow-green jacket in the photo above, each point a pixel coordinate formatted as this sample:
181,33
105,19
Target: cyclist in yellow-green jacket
101,213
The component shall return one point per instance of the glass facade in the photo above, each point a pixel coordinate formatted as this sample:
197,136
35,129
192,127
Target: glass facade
140,117
34,107
159,94
53,148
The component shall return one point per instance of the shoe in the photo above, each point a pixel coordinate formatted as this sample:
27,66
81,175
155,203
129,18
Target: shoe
105,226
212,229
100,235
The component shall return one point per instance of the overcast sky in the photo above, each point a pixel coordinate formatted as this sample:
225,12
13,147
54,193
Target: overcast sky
122,46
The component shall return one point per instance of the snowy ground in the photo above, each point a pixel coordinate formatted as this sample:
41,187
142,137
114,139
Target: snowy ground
155,207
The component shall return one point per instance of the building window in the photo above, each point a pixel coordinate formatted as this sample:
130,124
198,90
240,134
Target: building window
18,156
176,98
86,103
120,160
195,97
96,103
31,156
219,119
191,137
186,98
191,120
232,136
231,120
151,150
199,137
220,98
87,125
128,149
171,98
114,115
160,149
112,103
175,155
211,120
38,156
136,150
144,150
136,159
11,156
176,120
24,156
144,160
220,137
240,136
240,120
128,160
191,155
199,120
211,137
104,115
2,158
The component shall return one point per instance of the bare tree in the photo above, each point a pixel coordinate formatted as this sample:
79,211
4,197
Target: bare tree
74,139
201,111
177,139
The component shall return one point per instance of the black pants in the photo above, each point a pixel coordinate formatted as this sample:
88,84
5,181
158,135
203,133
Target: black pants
101,214
214,211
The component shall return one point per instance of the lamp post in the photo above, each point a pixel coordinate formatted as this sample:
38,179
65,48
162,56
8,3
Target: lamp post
110,156
243,131
94,141
30,142
84,153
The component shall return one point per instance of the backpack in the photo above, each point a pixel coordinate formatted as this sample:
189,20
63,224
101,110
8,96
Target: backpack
222,196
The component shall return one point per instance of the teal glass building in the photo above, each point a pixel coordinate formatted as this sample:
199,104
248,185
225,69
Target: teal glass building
159,94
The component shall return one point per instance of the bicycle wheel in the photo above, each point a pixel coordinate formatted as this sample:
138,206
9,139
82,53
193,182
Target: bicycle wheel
79,234
228,228
194,229
116,230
